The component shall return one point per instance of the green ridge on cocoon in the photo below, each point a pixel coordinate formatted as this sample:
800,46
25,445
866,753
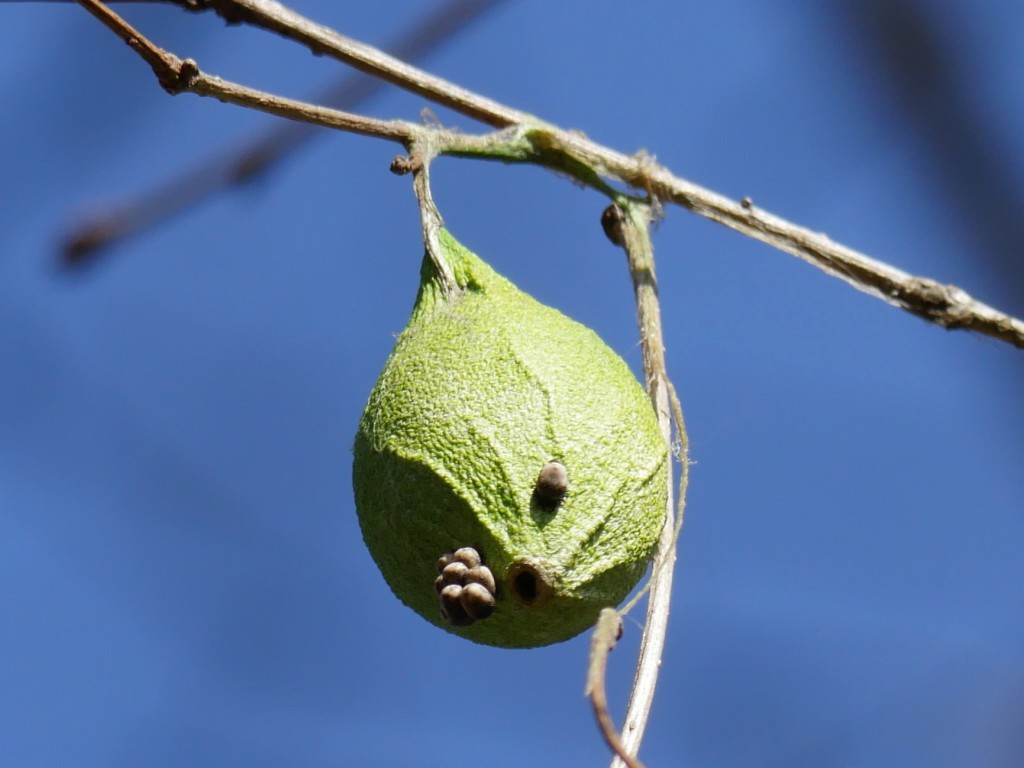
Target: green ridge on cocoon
480,392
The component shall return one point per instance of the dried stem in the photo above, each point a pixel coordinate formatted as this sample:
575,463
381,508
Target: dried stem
606,634
418,163
530,140
627,224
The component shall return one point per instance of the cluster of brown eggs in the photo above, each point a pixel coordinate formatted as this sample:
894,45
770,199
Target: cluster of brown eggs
465,586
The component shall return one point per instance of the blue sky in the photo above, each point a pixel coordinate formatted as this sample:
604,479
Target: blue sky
183,577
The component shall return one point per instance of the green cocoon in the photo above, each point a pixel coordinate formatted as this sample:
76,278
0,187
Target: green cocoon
481,391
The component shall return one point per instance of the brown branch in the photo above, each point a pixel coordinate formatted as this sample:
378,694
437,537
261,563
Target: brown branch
322,40
177,75
566,151
944,305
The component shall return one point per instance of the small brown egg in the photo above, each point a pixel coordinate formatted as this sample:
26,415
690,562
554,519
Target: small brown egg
467,555
453,572
452,609
482,575
443,560
477,601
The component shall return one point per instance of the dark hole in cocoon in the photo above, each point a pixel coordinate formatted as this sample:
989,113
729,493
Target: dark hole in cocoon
526,587
528,583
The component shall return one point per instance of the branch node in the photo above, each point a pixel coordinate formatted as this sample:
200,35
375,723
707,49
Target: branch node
178,76
403,164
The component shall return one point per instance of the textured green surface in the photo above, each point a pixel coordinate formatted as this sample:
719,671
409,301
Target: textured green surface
479,393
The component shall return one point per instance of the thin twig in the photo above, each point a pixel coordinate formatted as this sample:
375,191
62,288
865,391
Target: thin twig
627,224
178,76
182,75
568,152
235,167
322,40
945,305
606,634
